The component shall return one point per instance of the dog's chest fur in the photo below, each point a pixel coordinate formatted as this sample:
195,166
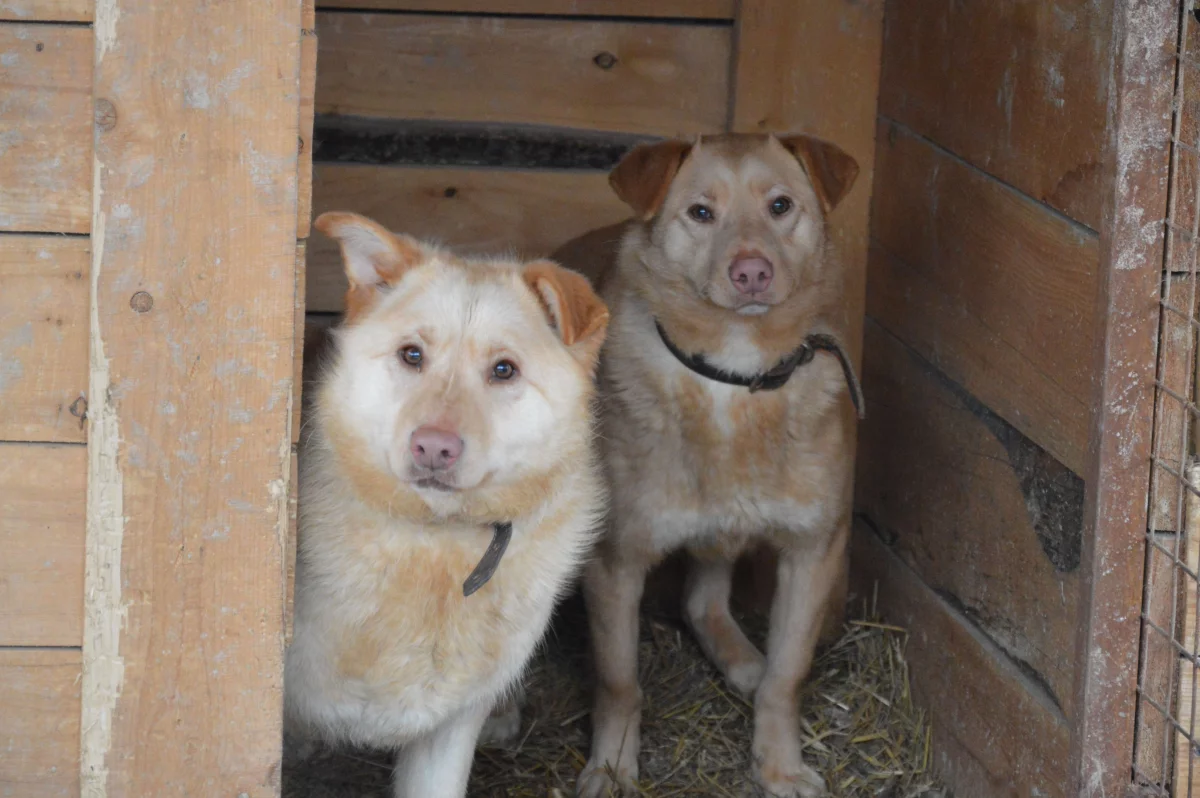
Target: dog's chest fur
700,462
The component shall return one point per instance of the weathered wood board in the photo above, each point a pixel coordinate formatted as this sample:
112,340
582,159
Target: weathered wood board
1174,424
47,10
474,211
45,128
989,520
995,289
39,727
43,499
994,735
677,9
643,77
192,325
43,337
1019,88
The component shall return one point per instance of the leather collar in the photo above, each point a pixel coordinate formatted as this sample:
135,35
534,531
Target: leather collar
778,375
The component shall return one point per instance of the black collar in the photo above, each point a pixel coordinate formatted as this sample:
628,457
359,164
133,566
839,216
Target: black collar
501,534
778,375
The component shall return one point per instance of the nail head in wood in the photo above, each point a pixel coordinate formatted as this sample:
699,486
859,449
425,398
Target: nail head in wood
605,60
141,302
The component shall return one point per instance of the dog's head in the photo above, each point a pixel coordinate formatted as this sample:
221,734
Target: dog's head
736,220
459,383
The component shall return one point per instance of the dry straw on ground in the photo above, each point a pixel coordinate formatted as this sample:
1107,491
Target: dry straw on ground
861,729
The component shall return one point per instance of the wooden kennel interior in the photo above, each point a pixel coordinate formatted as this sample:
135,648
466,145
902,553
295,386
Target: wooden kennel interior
1022,240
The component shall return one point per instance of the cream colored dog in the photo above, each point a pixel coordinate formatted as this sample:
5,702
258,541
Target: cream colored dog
726,421
449,492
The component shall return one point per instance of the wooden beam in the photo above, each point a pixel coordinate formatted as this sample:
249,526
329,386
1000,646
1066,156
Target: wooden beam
43,337
43,491
39,723
617,76
1016,87
46,119
191,375
475,211
1144,37
678,9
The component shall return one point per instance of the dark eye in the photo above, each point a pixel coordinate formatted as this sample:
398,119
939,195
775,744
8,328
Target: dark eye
701,213
780,206
412,356
504,370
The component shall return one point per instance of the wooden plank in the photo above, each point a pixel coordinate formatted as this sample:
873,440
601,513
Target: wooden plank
984,516
43,337
618,76
43,491
46,10
308,90
995,736
45,128
191,375
813,66
1187,709
298,322
993,288
1019,88
39,723
1135,160
677,9
1157,682
473,210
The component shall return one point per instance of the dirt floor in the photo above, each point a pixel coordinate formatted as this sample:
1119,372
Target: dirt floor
861,729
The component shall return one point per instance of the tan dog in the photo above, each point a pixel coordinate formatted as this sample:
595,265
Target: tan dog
449,492
726,421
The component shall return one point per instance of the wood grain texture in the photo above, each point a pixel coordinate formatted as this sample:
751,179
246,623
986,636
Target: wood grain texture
994,736
472,210
1019,88
1176,380
191,374
981,515
1164,605
45,128
47,10
43,497
666,80
678,9
43,337
308,90
39,723
1186,779
993,288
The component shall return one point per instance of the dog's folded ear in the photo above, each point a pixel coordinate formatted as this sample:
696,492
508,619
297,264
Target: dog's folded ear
831,170
644,175
373,256
578,316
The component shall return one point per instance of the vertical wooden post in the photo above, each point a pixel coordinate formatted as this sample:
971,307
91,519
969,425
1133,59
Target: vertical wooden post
192,306
1118,473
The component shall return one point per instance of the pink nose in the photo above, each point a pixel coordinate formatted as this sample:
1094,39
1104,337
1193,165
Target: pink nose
751,275
434,448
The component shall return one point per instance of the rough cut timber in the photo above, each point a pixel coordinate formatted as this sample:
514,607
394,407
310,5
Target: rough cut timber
47,10
678,9
192,319
39,728
996,290
43,337
43,496
1018,88
986,518
654,78
45,128
472,210
1174,424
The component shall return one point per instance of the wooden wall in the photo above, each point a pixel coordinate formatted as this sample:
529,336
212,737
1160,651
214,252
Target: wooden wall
982,288
105,247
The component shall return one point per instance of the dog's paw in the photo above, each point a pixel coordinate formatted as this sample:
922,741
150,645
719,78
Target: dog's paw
744,677
502,727
597,781
799,781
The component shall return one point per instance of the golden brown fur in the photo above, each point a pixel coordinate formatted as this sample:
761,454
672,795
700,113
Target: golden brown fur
711,467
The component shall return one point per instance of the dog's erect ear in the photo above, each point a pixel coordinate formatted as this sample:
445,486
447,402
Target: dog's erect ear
373,256
578,316
830,169
644,175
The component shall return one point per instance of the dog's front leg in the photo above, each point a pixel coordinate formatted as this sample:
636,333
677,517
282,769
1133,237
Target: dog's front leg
439,764
807,577
612,588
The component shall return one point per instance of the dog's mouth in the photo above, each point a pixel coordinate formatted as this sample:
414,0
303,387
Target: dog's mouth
443,484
